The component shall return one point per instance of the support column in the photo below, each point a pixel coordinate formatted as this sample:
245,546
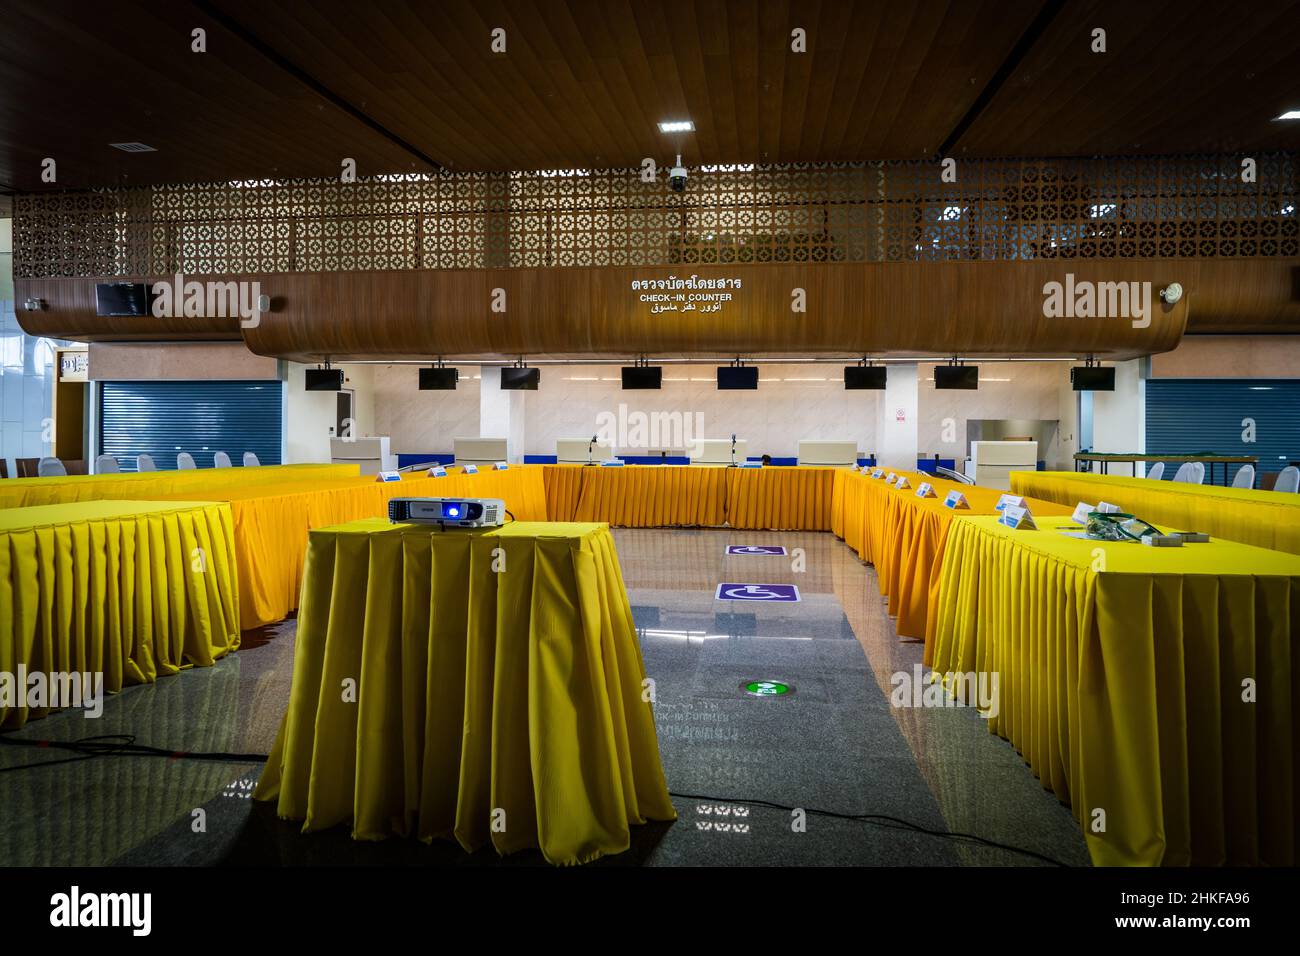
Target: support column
501,412
896,430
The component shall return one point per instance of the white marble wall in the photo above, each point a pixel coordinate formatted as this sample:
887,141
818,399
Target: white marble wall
1007,390
793,402
418,422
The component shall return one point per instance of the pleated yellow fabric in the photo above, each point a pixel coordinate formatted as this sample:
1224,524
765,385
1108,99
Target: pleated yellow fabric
498,692
647,496
1266,519
129,589
272,523
904,536
652,496
1152,689
563,484
780,499
201,484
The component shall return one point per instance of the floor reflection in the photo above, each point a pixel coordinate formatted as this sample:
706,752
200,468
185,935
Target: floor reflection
835,744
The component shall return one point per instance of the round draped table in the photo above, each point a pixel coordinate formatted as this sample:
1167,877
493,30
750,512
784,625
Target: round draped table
484,686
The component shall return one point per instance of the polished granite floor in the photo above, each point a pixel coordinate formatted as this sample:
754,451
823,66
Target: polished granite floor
835,746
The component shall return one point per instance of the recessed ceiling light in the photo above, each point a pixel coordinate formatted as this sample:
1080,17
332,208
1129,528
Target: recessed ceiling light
677,126
133,147
1289,114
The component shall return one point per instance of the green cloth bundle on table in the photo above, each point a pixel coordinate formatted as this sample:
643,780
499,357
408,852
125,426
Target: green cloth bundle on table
483,686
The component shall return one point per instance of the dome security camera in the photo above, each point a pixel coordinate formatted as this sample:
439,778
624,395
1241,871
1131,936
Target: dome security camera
1171,293
677,176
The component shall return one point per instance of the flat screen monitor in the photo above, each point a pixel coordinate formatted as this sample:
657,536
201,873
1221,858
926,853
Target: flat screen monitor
864,376
738,377
1094,379
122,298
641,376
324,379
957,376
438,379
525,379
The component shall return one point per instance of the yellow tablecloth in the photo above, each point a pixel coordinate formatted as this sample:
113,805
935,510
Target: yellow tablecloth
649,496
1123,688
200,484
780,499
904,536
129,589
511,698
1266,519
272,523
273,508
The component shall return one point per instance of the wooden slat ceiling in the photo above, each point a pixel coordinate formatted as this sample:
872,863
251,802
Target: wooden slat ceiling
79,74
1177,76
287,89
585,82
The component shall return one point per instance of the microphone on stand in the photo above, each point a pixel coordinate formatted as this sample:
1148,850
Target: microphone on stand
590,446
733,452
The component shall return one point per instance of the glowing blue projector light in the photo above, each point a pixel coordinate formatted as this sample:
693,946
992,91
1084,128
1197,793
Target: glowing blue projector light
448,512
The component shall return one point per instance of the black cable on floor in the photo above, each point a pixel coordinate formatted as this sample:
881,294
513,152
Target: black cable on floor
119,745
124,745
882,820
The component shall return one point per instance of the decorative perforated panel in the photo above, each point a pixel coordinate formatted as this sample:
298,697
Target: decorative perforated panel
1166,207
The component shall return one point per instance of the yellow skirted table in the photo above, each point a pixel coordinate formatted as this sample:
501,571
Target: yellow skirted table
481,686
649,496
1152,689
200,484
1266,519
273,508
563,486
272,523
780,499
904,536
127,589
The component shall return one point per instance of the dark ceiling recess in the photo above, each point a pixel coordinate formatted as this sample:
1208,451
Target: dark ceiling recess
289,89
239,30
1026,42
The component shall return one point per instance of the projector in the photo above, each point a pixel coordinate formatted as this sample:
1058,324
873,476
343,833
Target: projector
457,512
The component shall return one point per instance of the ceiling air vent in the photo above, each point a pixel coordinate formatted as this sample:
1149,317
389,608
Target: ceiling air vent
133,147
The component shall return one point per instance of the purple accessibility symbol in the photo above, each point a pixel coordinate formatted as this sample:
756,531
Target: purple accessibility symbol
757,592
755,549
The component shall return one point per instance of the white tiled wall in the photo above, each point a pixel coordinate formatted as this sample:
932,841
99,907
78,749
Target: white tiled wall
26,371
